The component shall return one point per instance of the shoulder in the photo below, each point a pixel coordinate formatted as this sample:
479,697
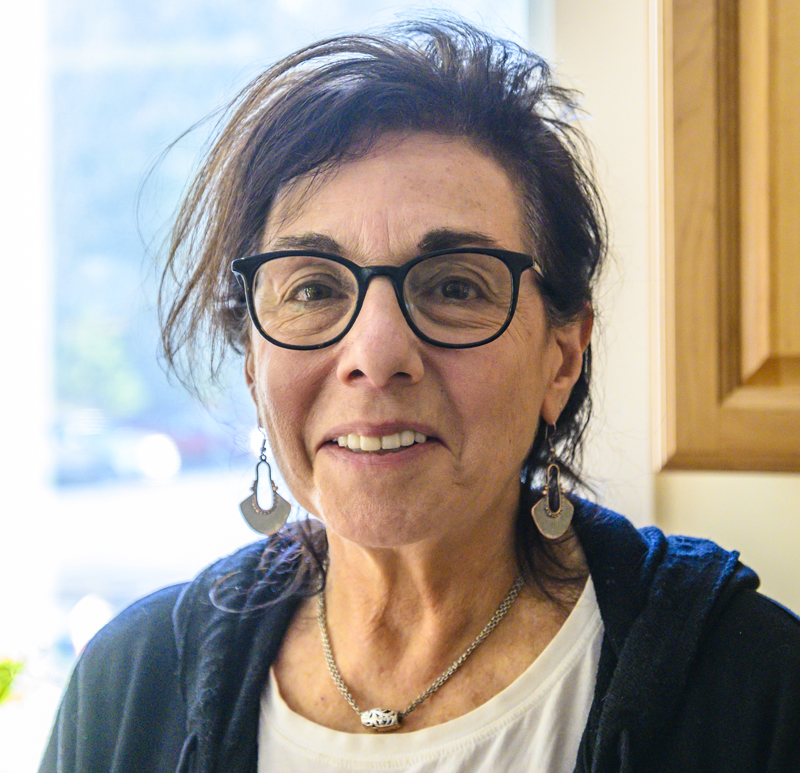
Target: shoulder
700,672
152,625
742,701
121,703
126,705
163,626
145,624
134,654
755,643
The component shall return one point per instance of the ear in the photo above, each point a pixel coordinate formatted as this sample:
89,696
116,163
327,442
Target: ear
250,373
250,380
570,341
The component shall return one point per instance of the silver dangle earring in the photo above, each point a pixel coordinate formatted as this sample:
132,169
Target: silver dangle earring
270,520
552,514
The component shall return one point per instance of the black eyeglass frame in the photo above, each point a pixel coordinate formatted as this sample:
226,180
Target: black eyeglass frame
516,262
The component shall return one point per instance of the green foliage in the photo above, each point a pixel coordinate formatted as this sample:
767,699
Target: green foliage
96,367
8,670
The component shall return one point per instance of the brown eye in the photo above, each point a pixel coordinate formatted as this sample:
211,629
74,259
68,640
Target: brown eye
457,290
313,292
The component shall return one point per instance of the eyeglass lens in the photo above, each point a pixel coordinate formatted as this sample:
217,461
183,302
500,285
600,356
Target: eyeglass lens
462,298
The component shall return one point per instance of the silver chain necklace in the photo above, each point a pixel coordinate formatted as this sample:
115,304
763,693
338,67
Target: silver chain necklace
387,719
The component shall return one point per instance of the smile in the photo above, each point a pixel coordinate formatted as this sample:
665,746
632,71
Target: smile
360,443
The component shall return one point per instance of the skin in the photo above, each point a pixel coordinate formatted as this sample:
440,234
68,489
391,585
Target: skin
421,540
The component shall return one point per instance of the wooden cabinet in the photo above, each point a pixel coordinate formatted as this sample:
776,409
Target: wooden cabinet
729,315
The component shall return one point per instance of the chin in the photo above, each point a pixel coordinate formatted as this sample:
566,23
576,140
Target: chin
380,525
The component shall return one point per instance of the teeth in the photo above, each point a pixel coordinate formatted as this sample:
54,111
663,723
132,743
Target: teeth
370,443
388,442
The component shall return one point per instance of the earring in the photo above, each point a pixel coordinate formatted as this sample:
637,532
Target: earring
552,514
258,519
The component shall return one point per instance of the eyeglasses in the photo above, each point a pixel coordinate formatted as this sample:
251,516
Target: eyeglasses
454,298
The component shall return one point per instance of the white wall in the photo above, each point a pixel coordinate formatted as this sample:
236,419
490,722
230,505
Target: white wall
603,50
754,513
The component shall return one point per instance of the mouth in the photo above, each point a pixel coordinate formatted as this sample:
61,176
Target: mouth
366,444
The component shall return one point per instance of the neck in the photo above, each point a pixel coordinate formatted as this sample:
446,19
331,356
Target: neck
409,582
398,619
416,607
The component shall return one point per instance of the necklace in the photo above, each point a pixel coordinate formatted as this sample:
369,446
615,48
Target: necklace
388,719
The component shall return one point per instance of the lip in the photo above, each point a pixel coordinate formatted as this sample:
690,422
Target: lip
381,429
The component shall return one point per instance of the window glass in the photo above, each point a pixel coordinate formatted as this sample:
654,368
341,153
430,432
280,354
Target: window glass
127,79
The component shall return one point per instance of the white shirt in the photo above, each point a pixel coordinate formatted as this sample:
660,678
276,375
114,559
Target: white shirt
539,719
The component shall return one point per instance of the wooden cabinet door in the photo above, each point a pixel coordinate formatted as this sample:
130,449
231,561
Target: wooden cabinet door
729,374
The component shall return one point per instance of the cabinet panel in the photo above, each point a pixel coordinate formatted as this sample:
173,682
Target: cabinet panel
730,361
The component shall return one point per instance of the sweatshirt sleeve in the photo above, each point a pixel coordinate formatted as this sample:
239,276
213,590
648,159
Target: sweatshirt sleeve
123,709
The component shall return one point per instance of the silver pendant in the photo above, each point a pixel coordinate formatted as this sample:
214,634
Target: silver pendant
382,720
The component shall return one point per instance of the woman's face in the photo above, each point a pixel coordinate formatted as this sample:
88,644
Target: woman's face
479,408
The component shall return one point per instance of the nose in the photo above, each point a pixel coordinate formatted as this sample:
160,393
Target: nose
380,348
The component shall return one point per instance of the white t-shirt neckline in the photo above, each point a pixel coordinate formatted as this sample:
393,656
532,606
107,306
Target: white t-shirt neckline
562,675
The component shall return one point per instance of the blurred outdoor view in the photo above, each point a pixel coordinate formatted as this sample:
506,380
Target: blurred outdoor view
144,480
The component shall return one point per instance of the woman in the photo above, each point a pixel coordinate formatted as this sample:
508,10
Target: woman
414,244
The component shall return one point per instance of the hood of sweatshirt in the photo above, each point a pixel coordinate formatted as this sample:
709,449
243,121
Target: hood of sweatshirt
228,630
658,596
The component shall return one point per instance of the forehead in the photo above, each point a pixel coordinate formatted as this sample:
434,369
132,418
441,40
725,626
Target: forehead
392,198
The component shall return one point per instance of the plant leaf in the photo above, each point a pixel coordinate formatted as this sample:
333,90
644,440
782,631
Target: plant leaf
8,671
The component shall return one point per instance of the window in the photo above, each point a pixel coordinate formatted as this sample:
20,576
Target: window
118,481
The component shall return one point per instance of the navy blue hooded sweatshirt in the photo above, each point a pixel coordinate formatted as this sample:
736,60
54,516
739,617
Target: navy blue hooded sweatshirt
698,672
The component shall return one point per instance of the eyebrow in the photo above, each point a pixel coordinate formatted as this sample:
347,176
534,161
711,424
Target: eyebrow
437,239
308,241
450,238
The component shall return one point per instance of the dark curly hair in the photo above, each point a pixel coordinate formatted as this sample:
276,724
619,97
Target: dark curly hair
330,103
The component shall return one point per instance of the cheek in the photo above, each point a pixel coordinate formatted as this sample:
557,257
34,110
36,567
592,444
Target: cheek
498,392
519,386
284,388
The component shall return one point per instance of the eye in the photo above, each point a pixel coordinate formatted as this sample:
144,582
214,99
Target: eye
316,291
311,288
457,290
463,279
